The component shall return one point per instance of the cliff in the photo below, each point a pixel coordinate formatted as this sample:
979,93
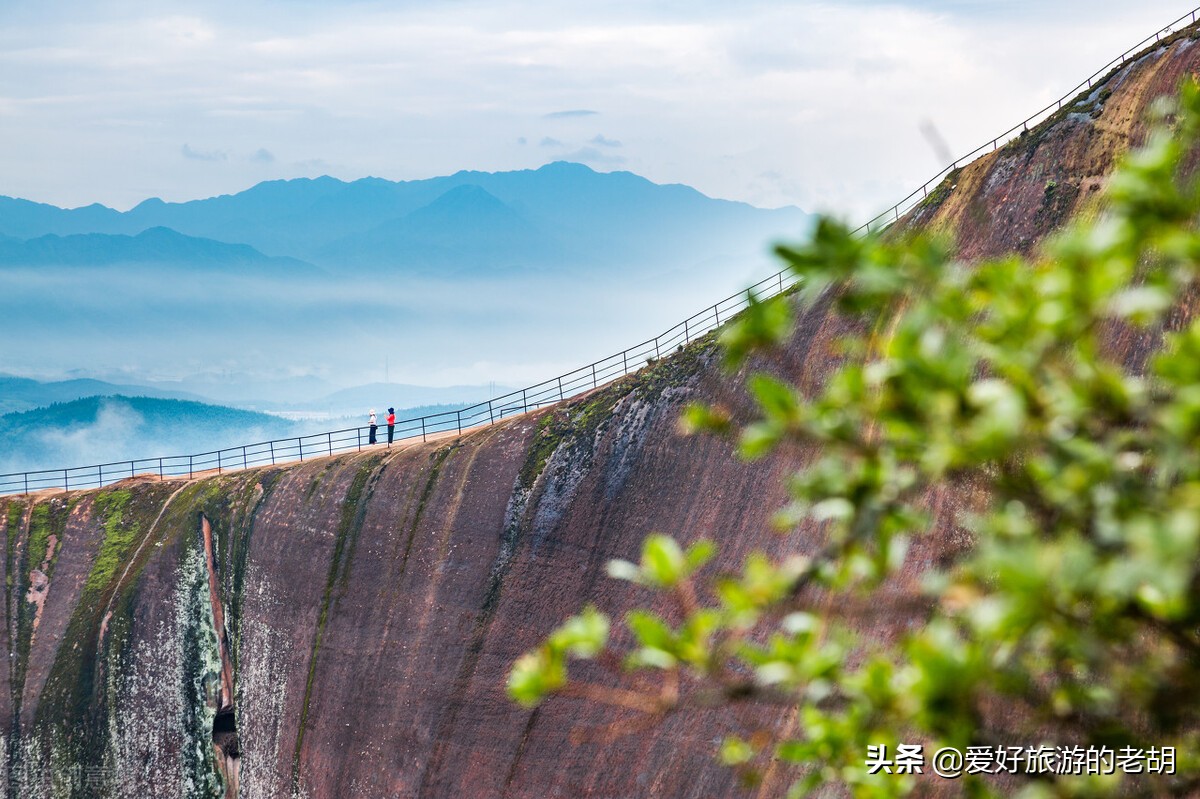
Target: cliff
343,627
1008,200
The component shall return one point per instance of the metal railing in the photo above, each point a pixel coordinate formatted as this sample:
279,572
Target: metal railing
893,214
356,439
556,389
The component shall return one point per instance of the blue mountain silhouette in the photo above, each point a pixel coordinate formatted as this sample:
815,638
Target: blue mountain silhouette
562,214
465,229
158,246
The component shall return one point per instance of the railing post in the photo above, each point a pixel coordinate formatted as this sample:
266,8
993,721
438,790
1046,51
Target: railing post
1091,82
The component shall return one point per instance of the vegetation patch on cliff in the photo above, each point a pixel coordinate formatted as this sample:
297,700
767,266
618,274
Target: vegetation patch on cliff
940,193
120,536
1072,613
48,519
29,580
72,711
577,422
14,511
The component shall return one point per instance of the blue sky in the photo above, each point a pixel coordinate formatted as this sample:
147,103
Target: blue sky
816,104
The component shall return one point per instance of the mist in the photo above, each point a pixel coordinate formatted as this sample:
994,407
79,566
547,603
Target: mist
103,430
144,325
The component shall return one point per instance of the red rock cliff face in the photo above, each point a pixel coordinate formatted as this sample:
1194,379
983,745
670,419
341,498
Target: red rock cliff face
373,605
1007,201
343,627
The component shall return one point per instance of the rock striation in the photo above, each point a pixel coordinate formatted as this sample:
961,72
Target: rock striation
343,627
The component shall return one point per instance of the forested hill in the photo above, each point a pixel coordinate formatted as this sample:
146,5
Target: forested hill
102,429
23,394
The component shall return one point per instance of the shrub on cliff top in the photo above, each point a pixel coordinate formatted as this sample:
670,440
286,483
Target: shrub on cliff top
1017,389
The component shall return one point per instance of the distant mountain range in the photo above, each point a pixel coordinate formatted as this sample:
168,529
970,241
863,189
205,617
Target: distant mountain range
278,296
108,426
108,429
156,246
19,394
563,216
22,394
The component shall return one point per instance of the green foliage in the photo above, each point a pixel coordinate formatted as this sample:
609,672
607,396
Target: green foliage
576,425
1018,390
48,519
120,535
128,427
760,323
544,671
14,509
39,532
663,562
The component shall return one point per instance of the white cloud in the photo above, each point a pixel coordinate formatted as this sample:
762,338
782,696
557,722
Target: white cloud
829,97
203,155
116,423
580,112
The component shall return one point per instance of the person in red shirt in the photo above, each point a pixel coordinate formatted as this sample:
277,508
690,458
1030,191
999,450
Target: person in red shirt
391,422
